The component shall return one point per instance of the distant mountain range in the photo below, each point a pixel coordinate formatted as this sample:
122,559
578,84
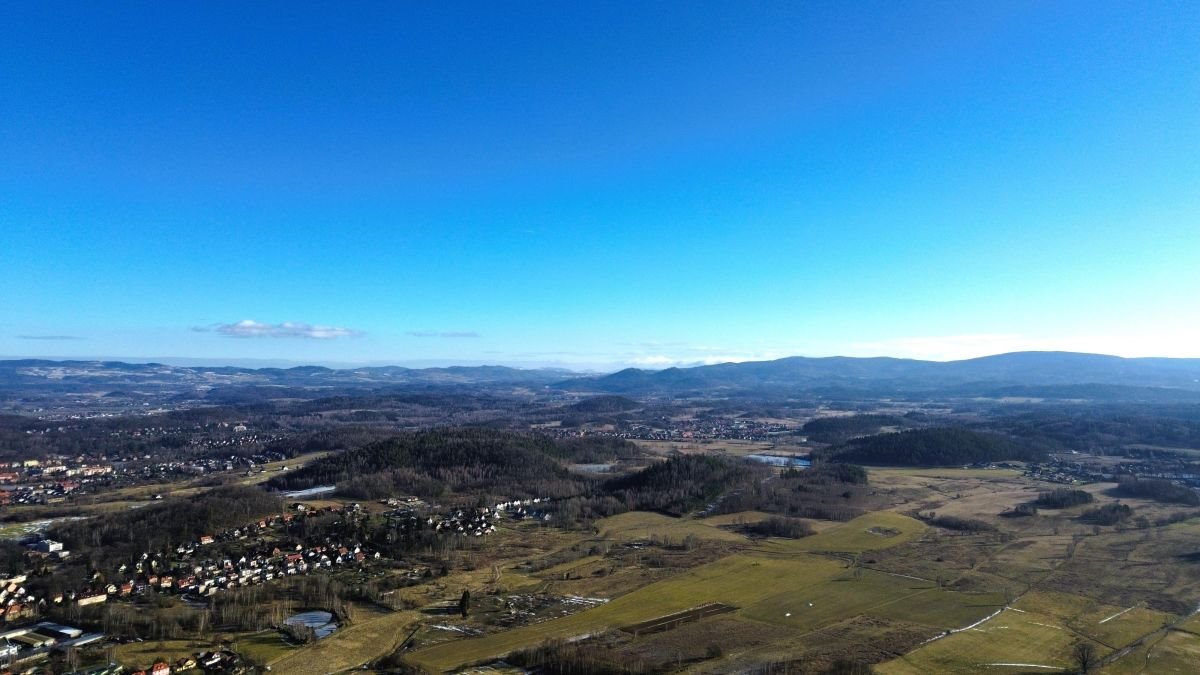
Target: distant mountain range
223,383
1029,374
1019,374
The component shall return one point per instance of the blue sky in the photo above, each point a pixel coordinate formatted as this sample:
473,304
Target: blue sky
598,184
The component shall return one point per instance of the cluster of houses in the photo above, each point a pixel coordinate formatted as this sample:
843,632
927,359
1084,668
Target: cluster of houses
47,481
475,522
666,429
17,604
1062,473
190,573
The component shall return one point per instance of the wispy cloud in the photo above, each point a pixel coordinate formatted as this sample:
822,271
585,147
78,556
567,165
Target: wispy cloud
49,337
249,328
443,334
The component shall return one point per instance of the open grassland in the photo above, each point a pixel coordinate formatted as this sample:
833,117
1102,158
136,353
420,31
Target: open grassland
1040,629
643,525
738,518
873,594
364,641
1013,641
143,654
942,473
779,585
734,448
879,530
737,580
1175,652
263,647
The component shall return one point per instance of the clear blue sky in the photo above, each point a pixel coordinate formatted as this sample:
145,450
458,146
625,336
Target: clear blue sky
598,184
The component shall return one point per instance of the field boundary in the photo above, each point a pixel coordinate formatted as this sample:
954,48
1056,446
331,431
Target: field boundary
676,619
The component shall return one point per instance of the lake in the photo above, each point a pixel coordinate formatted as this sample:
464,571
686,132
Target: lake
781,460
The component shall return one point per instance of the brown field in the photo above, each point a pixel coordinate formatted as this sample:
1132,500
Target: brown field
671,621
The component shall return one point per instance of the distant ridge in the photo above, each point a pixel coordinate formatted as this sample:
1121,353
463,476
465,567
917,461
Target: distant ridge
970,376
1053,375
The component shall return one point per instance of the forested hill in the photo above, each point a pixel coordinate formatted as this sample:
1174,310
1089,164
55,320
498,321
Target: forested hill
841,429
162,526
474,460
1110,377
934,447
680,484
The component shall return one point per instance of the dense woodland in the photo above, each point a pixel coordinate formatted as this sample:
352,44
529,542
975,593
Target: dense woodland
1063,498
1158,490
681,484
943,446
161,527
461,460
826,491
1106,429
842,429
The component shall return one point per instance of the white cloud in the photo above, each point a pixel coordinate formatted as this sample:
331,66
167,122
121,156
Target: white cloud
249,328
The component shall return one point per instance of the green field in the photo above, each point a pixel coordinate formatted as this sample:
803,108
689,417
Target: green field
1015,641
873,531
947,473
766,585
873,594
643,525
1040,630
369,638
1174,653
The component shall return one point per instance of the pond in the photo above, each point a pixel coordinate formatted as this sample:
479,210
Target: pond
321,622
592,468
781,460
310,492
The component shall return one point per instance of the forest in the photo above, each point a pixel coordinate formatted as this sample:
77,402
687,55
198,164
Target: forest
1158,490
124,535
943,446
460,460
841,429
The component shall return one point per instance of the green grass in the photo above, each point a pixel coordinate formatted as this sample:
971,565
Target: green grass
143,654
1175,653
371,636
874,594
945,472
263,647
766,585
738,580
1011,638
873,531
1041,629
644,525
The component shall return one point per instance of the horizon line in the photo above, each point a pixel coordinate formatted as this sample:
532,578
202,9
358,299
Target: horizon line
431,364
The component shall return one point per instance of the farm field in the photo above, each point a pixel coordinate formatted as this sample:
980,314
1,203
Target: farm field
878,530
642,525
143,654
778,585
1175,652
364,641
1038,630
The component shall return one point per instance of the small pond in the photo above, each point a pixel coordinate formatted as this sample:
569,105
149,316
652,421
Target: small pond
321,622
781,460
310,492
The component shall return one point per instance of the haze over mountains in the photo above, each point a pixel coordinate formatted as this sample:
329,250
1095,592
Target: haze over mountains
1045,371
1019,374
